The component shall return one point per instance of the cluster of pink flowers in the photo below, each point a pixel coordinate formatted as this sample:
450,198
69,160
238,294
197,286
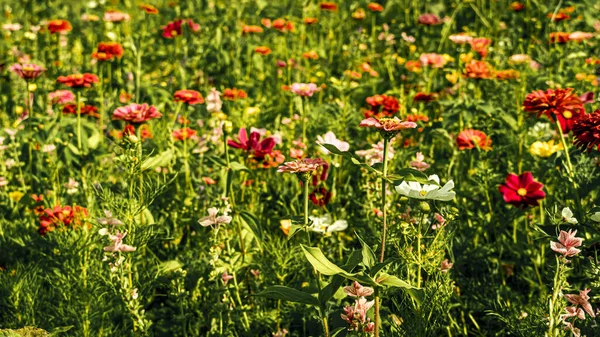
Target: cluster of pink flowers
356,315
581,305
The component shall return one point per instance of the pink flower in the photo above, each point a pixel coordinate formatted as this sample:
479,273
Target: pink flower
520,58
387,124
136,113
213,101
441,222
432,59
304,89
582,300
330,138
118,245
226,277
580,36
255,272
429,19
567,244
301,166
27,71
573,312
419,163
116,16
213,220
357,290
61,97
460,38
11,27
445,266
375,153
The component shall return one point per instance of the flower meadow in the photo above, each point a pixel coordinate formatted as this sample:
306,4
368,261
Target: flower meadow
299,168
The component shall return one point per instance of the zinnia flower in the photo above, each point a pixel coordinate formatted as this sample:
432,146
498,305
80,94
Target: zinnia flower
58,217
302,167
587,131
429,19
413,189
470,139
432,59
59,26
477,69
183,134
190,97
263,50
115,16
136,113
304,89
563,103
328,6
544,149
375,7
108,50
27,71
479,45
78,81
522,190
381,106
388,127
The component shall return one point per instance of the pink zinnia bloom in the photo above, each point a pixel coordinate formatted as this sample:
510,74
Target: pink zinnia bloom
357,290
387,124
522,190
306,165
27,71
116,16
582,300
429,19
375,154
432,59
567,243
419,163
136,113
61,97
304,89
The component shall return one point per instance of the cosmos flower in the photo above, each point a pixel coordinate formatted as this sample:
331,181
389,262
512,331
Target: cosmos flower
567,216
330,138
325,224
522,190
413,189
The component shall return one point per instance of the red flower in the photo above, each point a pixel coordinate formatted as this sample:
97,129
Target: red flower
522,190
560,102
85,110
470,139
149,9
587,131
423,97
129,130
559,37
375,7
183,134
477,69
251,29
283,26
190,97
58,217
78,80
381,106
517,6
257,148
136,113
263,50
175,28
320,196
429,19
560,16
233,94
479,45
59,26
310,21
328,6
108,50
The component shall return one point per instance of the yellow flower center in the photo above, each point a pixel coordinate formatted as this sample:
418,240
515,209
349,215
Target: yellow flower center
423,193
567,114
522,192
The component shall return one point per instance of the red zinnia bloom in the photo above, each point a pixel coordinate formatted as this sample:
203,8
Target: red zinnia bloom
470,139
233,94
477,69
381,106
559,37
57,217
560,102
263,50
149,9
183,134
587,131
310,21
517,6
522,190
85,110
424,97
190,97
480,45
59,26
328,6
375,7
251,29
175,28
129,130
258,148
320,196
78,80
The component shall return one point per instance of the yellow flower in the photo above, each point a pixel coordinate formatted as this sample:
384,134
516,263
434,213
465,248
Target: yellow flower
286,225
453,77
544,149
400,60
32,87
466,58
252,110
16,195
448,58
221,115
412,48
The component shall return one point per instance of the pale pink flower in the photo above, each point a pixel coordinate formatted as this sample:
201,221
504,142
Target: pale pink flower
357,290
387,124
569,326
375,153
520,58
134,294
408,38
573,312
27,71
71,186
432,59
304,89
440,221
213,220
580,36
109,220
582,300
280,333
419,163
116,16
460,38
118,245
136,113
330,138
255,272
445,266
11,27
567,244
301,166
3,181
226,277
213,101
61,97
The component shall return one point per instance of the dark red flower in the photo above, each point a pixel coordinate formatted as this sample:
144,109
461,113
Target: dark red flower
381,106
78,80
559,37
522,190
562,103
190,97
587,131
429,19
175,28
328,6
424,97
59,26
320,196
257,148
85,110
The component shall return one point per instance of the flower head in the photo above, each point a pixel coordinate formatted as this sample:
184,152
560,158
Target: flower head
213,219
522,190
566,243
213,101
27,71
190,97
136,113
429,19
304,89
78,81
558,102
59,26
567,216
117,243
432,59
413,189
582,300
387,127
60,217
357,290
419,162
183,134
330,138
544,149
587,131
303,168
256,147
115,16
470,139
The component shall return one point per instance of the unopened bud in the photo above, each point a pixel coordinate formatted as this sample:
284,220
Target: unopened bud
227,126
424,206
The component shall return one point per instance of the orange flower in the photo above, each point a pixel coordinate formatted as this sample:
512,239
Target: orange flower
560,16
208,180
107,50
559,37
310,21
413,66
283,26
470,139
310,55
78,80
263,50
477,69
359,14
252,29
59,26
480,45
183,134
517,6
149,9
233,94
375,7
328,6
508,74
191,97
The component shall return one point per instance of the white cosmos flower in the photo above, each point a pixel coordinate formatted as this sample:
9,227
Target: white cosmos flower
567,216
324,224
413,189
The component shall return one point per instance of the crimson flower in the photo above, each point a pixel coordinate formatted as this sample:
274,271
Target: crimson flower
563,103
85,110
381,106
58,217
328,6
522,190
320,196
424,97
191,97
59,26
136,113
587,130
254,145
175,28
470,139
78,80
108,50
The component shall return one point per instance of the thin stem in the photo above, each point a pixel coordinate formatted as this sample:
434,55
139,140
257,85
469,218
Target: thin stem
384,197
377,318
79,120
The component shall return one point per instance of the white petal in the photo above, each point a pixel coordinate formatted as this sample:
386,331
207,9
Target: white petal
338,226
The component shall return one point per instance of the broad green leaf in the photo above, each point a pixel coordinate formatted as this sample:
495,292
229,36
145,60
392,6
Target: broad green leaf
392,281
330,289
321,263
169,266
368,256
289,294
238,166
161,159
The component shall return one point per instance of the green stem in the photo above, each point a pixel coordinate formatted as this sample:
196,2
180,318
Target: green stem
377,318
384,197
79,120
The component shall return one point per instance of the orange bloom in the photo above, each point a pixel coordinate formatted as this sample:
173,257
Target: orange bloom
283,26
252,29
413,66
263,50
560,16
310,55
517,6
375,7
559,37
107,50
183,134
480,45
191,97
149,9
78,80
310,21
233,94
477,69
470,139
59,26
508,74
359,14
328,6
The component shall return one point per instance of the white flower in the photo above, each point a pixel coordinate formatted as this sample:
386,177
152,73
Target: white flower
324,224
213,101
596,217
330,138
109,220
413,189
567,216
213,219
71,186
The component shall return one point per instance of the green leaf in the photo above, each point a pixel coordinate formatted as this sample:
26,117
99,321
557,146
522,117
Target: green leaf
351,157
252,223
161,159
337,331
330,289
288,294
169,266
368,256
392,281
216,160
321,263
238,166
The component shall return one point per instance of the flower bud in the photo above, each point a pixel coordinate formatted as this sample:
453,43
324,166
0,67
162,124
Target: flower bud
424,206
227,126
